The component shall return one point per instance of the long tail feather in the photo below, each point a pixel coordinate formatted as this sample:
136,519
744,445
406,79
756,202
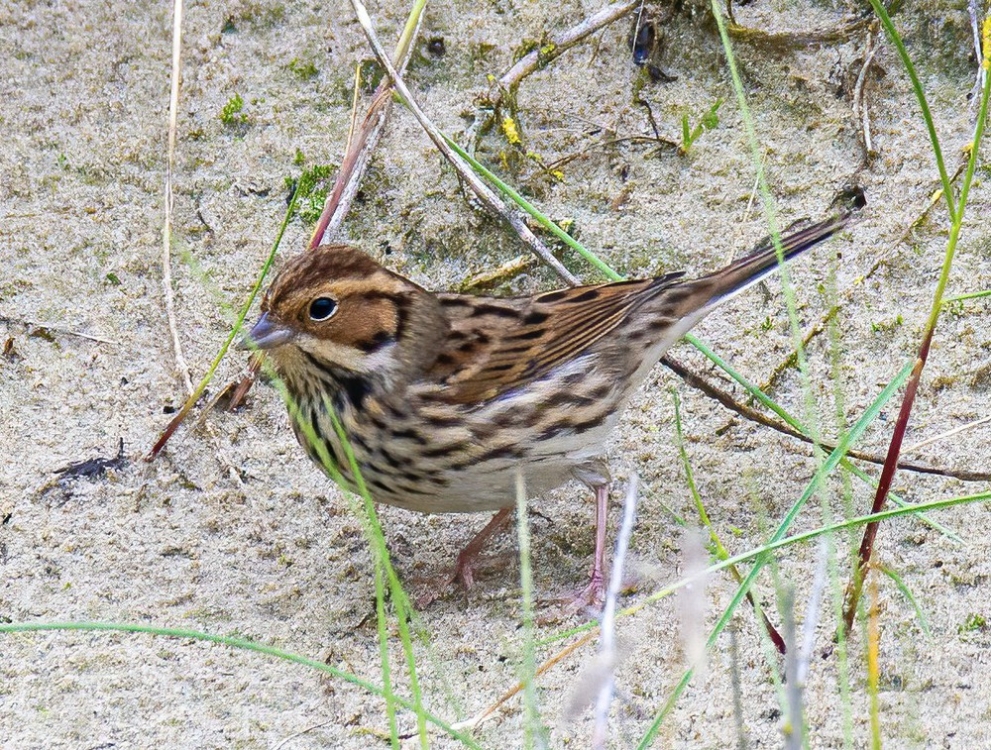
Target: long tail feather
745,271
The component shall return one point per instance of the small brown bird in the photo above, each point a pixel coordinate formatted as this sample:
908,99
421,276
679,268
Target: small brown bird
445,397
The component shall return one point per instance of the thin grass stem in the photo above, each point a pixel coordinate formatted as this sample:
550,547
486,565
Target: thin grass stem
236,643
528,667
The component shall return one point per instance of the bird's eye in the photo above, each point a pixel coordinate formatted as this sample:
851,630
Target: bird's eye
322,308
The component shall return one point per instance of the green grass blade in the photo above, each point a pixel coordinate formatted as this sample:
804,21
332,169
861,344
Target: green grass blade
237,643
779,535
920,95
907,593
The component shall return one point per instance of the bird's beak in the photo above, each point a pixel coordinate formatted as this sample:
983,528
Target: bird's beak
266,334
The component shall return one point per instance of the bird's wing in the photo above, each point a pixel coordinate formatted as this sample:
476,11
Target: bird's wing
497,344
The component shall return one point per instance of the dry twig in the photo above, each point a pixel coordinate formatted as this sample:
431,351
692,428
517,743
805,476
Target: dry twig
34,326
464,170
975,25
785,41
359,150
490,712
943,435
557,45
607,641
747,412
180,361
859,108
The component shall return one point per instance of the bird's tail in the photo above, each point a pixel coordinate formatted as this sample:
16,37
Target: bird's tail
687,302
740,274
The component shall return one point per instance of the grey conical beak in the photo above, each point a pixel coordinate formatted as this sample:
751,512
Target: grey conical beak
266,334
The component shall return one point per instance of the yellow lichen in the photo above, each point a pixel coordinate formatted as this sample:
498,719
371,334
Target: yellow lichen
510,131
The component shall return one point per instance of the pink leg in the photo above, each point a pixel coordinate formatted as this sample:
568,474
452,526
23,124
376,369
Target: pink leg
594,593
464,570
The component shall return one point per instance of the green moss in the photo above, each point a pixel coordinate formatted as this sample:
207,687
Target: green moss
311,189
525,48
304,71
973,622
887,326
232,114
261,14
371,72
478,54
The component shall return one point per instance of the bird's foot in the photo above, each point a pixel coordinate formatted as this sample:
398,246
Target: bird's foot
462,575
468,561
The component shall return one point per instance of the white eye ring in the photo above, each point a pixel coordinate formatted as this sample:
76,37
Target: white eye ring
322,308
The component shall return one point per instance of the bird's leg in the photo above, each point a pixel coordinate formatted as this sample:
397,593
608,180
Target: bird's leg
464,569
594,593
596,477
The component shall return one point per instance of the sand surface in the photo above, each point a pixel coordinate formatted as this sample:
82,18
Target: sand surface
232,531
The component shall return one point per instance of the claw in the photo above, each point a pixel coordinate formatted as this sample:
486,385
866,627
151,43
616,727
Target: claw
468,559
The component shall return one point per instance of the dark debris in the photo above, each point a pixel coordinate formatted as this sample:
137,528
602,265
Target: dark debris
94,468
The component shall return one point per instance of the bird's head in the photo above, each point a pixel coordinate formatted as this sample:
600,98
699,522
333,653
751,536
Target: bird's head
346,312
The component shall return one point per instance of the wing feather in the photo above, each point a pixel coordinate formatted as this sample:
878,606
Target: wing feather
498,345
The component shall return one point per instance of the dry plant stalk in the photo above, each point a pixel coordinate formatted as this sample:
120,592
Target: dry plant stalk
557,45
607,643
180,360
747,412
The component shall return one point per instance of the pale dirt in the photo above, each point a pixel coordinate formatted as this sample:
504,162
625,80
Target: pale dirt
232,531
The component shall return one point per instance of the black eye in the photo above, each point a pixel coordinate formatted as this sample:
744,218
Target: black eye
322,308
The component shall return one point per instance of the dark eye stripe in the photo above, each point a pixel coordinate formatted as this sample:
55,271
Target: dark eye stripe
380,339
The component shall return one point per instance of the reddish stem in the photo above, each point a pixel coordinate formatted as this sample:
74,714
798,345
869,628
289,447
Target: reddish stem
884,483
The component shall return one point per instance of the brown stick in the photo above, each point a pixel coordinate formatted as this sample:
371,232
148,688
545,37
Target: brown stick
359,151
558,45
747,412
353,167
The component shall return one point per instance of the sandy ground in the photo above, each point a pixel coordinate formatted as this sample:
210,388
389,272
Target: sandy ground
233,532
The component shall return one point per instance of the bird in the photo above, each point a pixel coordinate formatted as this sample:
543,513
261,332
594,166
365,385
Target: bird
445,398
